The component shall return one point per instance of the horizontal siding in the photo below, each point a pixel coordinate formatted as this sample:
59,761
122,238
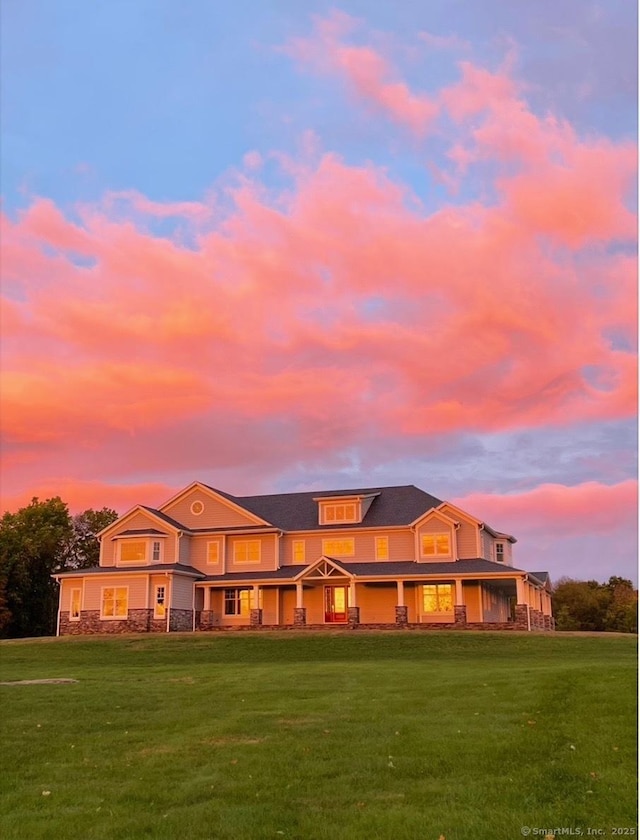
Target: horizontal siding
472,596
198,555
467,540
137,591
181,593
487,546
267,554
184,549
65,593
216,514
401,545
137,521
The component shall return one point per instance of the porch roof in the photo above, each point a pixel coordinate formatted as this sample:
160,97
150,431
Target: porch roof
175,568
391,570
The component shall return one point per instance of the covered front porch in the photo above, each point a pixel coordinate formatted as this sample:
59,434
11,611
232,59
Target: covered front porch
331,594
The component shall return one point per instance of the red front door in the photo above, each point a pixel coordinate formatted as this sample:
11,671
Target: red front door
335,603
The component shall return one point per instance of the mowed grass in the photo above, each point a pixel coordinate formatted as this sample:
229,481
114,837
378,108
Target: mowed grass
337,736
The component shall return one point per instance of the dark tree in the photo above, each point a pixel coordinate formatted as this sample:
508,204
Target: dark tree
83,549
32,541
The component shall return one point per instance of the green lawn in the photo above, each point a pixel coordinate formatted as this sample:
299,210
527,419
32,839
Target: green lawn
349,735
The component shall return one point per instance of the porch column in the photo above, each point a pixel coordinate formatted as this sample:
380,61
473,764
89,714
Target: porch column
459,598
353,610
255,613
207,598
299,613
459,608
402,613
523,619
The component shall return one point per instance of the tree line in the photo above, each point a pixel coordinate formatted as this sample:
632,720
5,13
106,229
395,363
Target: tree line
35,542
43,538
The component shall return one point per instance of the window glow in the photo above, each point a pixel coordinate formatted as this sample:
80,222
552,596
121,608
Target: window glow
114,602
436,545
382,548
133,552
437,598
246,551
339,548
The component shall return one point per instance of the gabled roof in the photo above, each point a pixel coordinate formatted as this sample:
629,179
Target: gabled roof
299,511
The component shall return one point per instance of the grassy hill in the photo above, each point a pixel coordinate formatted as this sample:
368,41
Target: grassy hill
464,736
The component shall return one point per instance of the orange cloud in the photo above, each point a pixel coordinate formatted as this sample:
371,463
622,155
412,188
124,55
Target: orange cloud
82,495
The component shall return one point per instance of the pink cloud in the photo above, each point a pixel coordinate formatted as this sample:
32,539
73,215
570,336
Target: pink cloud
338,309
556,510
370,76
82,495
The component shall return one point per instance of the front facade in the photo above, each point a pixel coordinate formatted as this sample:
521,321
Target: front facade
376,557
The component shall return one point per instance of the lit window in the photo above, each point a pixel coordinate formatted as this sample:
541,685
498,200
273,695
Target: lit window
133,552
238,601
341,512
213,552
246,551
436,545
76,597
159,604
500,552
298,551
156,552
114,602
382,548
339,548
437,598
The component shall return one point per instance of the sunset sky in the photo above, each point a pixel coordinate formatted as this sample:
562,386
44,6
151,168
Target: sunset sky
276,245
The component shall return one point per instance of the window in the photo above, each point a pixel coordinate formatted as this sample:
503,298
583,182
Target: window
213,552
337,513
159,603
437,598
238,601
382,548
76,598
436,545
246,551
133,552
339,548
114,602
155,553
298,551
197,507
500,552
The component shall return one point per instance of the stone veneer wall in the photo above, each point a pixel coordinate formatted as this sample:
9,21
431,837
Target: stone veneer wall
137,621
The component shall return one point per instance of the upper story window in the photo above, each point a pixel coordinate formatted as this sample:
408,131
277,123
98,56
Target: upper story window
339,512
500,552
436,545
213,552
298,551
246,551
382,548
345,547
139,551
133,552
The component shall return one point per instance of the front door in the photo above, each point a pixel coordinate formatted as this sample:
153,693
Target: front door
335,603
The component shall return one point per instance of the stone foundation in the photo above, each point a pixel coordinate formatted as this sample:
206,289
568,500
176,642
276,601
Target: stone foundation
299,616
255,618
521,621
180,620
90,623
353,616
460,615
402,616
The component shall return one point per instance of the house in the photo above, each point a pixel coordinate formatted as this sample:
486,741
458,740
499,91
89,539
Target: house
374,557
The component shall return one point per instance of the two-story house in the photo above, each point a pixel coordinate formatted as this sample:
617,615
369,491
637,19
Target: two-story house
381,556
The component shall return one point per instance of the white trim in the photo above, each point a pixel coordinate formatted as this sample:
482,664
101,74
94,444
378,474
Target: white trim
436,553
377,540
137,509
218,544
193,505
157,586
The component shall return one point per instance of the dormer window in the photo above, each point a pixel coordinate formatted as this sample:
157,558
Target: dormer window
500,552
335,514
